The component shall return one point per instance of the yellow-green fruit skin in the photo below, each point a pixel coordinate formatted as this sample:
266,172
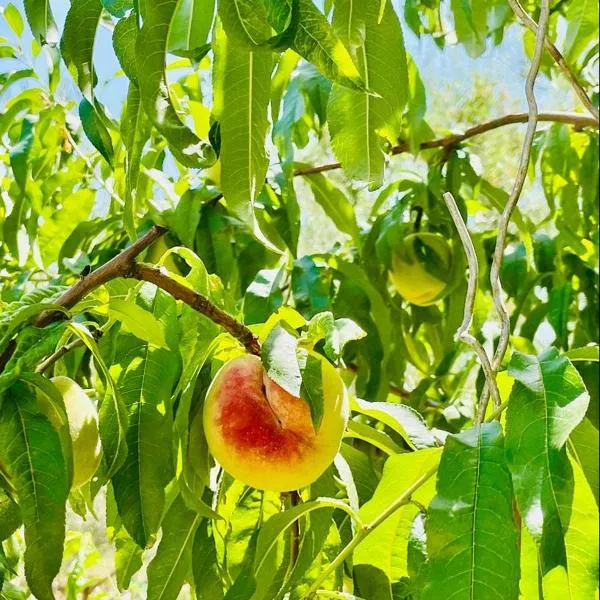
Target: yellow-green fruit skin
262,435
83,427
411,280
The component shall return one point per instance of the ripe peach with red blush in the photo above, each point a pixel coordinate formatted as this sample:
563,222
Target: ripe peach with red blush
263,435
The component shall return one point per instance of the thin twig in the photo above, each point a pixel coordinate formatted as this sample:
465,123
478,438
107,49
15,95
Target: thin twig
368,528
463,331
90,166
504,220
53,358
559,59
570,118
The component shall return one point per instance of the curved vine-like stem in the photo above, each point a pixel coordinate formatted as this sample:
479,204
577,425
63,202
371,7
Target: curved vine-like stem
496,285
463,331
569,118
559,59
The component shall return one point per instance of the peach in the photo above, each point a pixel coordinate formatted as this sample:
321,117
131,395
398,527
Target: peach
264,436
83,427
411,278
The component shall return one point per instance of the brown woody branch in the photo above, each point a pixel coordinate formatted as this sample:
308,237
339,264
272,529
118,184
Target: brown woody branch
577,120
198,302
118,266
124,265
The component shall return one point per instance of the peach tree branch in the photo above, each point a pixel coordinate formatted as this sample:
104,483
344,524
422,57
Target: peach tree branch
125,265
558,58
570,118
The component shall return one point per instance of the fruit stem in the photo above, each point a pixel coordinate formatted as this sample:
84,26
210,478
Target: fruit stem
368,528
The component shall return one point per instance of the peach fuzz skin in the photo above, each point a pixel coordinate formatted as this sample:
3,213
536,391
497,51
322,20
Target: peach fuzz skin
262,435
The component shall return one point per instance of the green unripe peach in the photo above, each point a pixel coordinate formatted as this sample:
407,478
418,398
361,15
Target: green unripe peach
409,275
83,427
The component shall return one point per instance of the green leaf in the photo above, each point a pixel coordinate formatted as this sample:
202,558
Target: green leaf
245,21
380,561
128,559
148,376
316,41
22,316
403,419
151,46
277,524
472,537
336,333
96,130
363,472
280,360
586,353
13,17
172,564
360,123
311,390
205,566
118,8
335,204
246,80
124,40
142,323
373,436
10,514
77,43
41,21
582,28
19,154
31,449
263,296
584,446
135,130
558,314
190,26
548,400
470,24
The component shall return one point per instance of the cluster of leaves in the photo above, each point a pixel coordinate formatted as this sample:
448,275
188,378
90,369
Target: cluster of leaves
515,505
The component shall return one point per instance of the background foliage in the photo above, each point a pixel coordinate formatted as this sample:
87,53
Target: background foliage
208,120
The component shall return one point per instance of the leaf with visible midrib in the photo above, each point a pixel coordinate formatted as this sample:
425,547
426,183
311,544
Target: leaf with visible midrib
41,21
246,87
316,41
548,400
472,537
151,46
124,40
77,43
381,560
31,448
360,122
135,130
190,25
147,378
172,564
